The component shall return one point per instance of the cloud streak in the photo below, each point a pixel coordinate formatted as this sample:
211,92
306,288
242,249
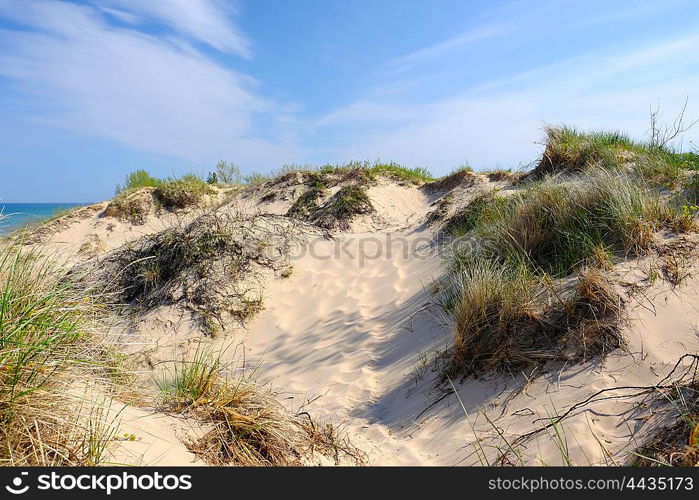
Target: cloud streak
71,67
207,21
471,37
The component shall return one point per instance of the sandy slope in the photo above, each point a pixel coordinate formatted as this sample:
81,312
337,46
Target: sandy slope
353,342
350,337
337,336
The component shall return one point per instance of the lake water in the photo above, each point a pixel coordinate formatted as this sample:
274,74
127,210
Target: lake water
17,215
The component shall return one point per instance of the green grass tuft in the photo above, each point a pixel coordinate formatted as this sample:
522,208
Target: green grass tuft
506,307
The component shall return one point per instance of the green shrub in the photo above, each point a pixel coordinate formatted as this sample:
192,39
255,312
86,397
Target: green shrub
181,193
136,180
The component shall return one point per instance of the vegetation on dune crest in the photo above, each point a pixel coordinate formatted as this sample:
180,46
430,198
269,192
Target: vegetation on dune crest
568,150
337,211
183,192
306,205
593,198
136,180
360,173
133,204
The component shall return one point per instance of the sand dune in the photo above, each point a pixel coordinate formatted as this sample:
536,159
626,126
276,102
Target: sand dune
353,337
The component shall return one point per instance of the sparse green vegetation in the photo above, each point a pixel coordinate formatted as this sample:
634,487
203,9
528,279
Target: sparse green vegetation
691,189
459,177
476,213
171,193
357,172
256,178
249,307
181,192
136,180
399,173
131,206
306,205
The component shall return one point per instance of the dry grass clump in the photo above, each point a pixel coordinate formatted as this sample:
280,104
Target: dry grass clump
46,330
132,206
461,177
207,266
149,270
507,318
503,175
246,425
676,441
339,210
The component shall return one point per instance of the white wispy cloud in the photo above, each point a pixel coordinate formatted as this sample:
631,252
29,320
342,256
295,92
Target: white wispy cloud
71,67
461,41
207,21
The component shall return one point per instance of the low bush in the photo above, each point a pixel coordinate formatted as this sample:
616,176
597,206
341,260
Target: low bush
136,180
181,193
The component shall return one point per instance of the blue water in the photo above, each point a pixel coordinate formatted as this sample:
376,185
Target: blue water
17,215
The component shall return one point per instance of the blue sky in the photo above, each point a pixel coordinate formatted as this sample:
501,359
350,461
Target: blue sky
93,89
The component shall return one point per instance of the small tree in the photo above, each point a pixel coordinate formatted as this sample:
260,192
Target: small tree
228,173
661,135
